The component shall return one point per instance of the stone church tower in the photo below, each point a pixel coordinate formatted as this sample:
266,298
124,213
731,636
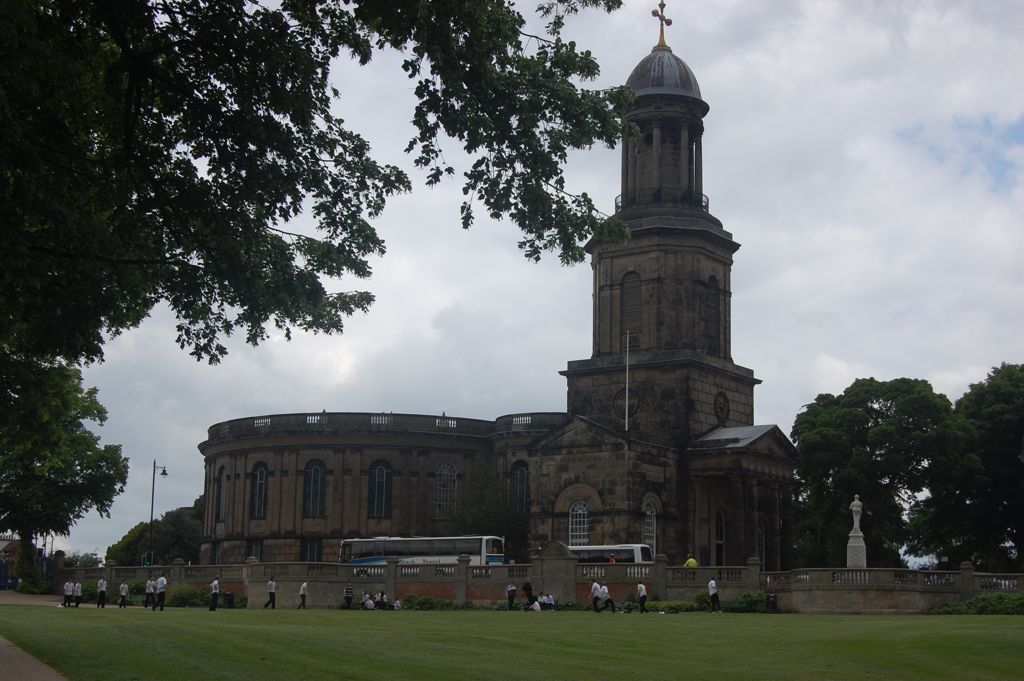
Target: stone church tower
661,447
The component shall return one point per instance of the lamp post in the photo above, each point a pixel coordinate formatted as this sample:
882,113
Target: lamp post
152,498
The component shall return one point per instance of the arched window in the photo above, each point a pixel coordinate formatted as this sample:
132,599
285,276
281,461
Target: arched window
379,497
444,491
720,538
219,495
713,317
314,491
521,487
579,524
258,493
651,526
630,311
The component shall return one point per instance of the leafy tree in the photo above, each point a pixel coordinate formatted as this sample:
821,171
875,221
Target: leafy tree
52,468
160,150
82,560
176,534
882,440
976,510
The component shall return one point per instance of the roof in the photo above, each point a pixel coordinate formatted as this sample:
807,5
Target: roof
663,73
743,436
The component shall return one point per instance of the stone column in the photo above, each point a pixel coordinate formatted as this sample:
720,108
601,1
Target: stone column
750,533
698,172
656,174
752,577
786,502
966,580
772,549
735,542
391,576
462,579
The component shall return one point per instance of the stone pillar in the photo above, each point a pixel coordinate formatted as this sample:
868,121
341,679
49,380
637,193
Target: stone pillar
735,542
554,570
750,533
462,578
632,161
624,182
698,172
786,502
656,174
966,580
772,549
391,575
752,577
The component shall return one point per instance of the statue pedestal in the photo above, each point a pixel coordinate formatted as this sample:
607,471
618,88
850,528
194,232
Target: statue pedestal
856,551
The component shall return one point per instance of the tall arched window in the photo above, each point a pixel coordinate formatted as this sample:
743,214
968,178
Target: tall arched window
579,524
379,497
651,526
720,538
444,491
219,495
630,308
521,487
258,493
713,317
314,491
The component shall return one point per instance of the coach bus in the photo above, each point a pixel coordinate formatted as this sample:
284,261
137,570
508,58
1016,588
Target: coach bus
613,553
482,550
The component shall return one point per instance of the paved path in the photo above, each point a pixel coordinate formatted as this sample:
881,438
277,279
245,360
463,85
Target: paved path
15,662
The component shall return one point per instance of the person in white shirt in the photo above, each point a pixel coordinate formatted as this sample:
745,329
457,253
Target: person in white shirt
69,593
101,593
123,592
595,595
606,598
397,605
78,593
271,594
150,593
161,592
302,596
214,592
716,606
641,596
510,593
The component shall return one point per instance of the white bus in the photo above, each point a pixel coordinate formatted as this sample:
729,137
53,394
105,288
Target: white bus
613,553
482,550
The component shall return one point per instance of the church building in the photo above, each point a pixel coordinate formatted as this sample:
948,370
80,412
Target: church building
657,444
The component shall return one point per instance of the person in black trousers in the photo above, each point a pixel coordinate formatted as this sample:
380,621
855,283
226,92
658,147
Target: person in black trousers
271,594
348,596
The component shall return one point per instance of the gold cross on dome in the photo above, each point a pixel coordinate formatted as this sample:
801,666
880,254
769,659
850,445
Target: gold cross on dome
663,20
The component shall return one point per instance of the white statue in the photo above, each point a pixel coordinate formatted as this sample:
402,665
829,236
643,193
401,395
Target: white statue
856,507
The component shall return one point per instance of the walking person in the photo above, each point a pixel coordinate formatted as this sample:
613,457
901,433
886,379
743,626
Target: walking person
271,594
101,593
150,593
214,592
641,596
160,587
78,593
302,596
348,593
510,594
606,598
716,606
122,591
595,595
69,593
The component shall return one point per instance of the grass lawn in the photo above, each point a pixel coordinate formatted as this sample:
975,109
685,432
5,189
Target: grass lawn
256,645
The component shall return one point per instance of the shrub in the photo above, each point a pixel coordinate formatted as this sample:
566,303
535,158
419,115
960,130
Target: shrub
417,602
985,604
751,601
189,597
672,606
702,600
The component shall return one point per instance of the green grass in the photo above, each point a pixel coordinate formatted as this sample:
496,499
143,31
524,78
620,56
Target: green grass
264,645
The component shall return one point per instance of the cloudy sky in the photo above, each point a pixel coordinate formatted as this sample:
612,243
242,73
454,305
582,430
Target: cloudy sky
867,156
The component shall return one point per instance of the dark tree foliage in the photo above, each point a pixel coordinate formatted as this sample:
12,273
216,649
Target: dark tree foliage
883,440
176,534
159,150
82,560
52,468
975,510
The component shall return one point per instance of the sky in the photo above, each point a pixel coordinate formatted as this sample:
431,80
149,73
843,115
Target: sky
867,156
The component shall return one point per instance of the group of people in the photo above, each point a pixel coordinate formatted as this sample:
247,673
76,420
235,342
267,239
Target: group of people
600,597
156,590
544,601
379,601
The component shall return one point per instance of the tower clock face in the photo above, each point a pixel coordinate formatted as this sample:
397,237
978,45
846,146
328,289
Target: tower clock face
722,407
620,402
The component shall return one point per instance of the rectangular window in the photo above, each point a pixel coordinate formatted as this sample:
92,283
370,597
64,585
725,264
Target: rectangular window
255,549
312,550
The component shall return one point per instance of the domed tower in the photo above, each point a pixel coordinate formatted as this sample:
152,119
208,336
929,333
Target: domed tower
662,367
